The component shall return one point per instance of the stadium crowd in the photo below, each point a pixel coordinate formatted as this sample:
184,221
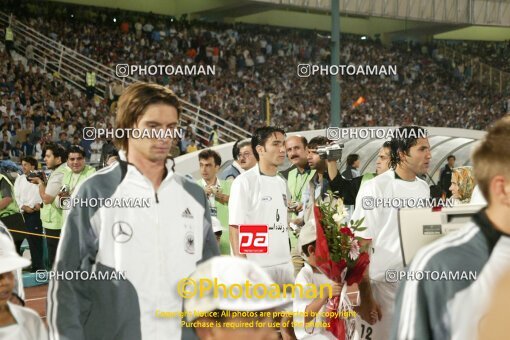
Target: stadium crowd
492,53
247,58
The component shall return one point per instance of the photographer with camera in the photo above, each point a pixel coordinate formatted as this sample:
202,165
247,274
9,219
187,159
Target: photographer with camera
29,200
51,214
323,157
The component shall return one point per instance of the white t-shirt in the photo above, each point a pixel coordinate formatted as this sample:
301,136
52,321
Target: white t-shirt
382,228
262,200
382,222
28,325
305,277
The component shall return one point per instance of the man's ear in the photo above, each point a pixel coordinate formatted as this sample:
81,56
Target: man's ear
259,149
311,249
499,190
402,156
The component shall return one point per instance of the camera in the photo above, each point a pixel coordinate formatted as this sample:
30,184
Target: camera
332,152
34,174
216,189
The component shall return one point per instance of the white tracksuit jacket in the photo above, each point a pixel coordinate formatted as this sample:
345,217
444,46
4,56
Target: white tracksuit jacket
154,247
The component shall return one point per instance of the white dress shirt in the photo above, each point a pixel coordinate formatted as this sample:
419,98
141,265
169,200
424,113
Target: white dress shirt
26,193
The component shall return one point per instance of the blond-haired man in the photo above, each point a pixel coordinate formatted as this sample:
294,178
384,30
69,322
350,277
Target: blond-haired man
477,255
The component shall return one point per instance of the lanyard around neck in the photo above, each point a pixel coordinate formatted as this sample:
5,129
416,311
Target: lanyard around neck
297,196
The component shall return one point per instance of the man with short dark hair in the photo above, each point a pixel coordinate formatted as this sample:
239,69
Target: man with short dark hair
51,213
259,196
63,141
75,173
234,169
217,192
326,178
353,164
445,178
30,202
382,164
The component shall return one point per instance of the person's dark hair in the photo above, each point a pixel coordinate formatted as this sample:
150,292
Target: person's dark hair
304,141
57,150
31,160
449,157
76,149
261,136
387,144
317,141
305,248
235,149
352,158
114,152
208,153
405,138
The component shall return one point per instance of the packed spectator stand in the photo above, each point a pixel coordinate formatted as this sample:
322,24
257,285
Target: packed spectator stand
252,62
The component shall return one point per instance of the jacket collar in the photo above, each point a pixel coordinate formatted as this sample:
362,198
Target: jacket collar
491,234
169,165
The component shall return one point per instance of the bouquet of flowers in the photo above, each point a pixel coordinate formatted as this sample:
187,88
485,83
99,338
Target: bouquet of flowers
339,255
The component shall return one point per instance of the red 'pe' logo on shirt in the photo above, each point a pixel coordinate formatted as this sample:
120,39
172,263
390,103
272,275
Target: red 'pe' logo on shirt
253,239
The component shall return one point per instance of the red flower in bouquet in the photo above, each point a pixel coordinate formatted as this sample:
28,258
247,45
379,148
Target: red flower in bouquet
337,246
338,251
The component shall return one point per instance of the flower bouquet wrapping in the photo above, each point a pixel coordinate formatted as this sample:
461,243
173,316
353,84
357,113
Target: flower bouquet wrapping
339,256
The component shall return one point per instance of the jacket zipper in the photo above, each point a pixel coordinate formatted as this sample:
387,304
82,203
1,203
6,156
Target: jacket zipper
156,194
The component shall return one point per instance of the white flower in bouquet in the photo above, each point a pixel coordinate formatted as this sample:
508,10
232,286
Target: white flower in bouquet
341,212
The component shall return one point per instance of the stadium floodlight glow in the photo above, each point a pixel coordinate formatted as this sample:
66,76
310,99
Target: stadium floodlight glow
364,37
114,19
72,15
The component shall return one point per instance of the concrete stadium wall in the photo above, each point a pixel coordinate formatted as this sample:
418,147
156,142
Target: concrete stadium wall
482,33
367,26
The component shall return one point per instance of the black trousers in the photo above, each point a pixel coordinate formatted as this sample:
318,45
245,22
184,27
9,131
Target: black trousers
52,244
34,225
91,90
